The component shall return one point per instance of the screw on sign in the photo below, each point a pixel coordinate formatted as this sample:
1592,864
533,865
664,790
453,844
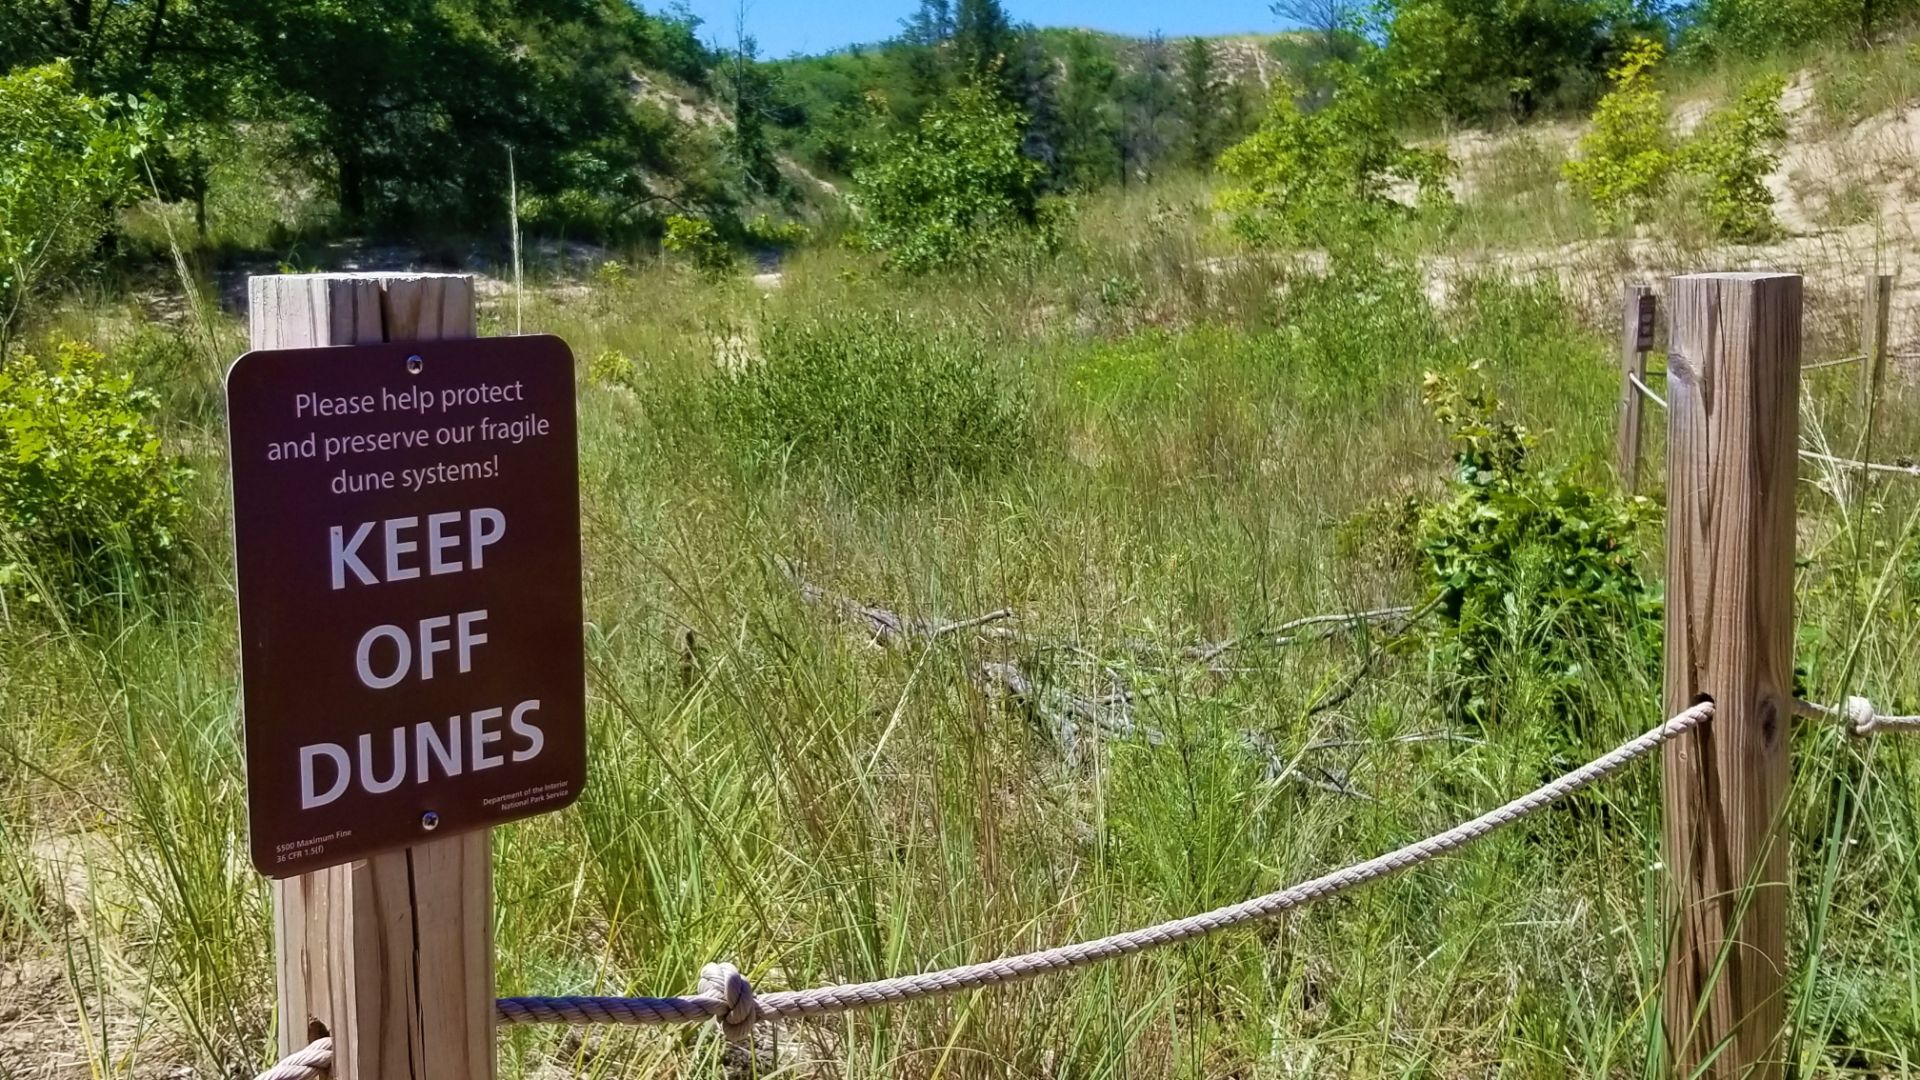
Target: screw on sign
407,536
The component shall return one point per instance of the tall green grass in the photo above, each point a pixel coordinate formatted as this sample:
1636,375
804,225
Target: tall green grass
771,786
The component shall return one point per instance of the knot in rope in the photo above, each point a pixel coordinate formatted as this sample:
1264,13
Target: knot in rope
739,1010
1861,719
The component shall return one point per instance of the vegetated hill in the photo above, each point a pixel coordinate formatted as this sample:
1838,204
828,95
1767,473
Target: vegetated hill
1099,107
1843,192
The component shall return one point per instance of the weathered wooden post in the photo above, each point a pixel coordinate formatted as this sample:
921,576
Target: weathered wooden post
1636,338
1877,300
1733,391
391,955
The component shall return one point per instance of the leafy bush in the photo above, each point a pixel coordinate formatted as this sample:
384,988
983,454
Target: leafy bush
1316,177
1627,156
87,495
611,367
64,167
1528,566
1130,375
700,242
951,190
1734,150
871,399
766,232
613,275
1475,61
176,364
1736,28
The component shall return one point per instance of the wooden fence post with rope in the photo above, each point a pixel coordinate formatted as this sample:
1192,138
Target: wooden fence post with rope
1638,306
391,956
1733,391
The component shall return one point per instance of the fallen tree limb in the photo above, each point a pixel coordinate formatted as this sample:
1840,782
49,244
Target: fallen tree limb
1064,711
887,627
1284,634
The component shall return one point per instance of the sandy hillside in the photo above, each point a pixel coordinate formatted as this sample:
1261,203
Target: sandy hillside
1847,198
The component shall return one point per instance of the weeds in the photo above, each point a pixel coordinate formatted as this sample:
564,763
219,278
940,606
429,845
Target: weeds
1149,441
870,399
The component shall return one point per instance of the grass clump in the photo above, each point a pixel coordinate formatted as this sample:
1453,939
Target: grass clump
1527,564
870,399
87,494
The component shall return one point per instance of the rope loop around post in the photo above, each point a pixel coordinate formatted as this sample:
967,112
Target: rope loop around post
313,1061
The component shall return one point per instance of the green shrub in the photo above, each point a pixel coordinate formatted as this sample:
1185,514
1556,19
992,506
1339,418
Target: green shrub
64,168
1627,156
1739,28
766,232
611,367
87,496
700,242
1531,570
1734,150
614,275
171,361
1130,375
871,399
1315,177
952,190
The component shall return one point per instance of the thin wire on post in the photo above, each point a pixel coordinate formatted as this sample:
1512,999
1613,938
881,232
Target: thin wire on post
1647,390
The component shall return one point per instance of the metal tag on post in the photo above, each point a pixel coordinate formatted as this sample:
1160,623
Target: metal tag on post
407,541
1644,332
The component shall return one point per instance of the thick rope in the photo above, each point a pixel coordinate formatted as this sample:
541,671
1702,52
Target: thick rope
726,995
728,998
1859,717
311,1062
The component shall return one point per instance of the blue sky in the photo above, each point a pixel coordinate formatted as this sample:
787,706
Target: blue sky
784,27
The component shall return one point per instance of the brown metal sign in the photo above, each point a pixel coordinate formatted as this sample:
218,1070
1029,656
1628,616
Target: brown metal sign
1643,331
407,534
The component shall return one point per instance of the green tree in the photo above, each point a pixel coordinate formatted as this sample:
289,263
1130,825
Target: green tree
1745,27
1036,80
1469,59
983,40
947,190
1150,112
65,165
1090,115
924,39
1204,105
750,90
1327,175
1626,156
406,109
